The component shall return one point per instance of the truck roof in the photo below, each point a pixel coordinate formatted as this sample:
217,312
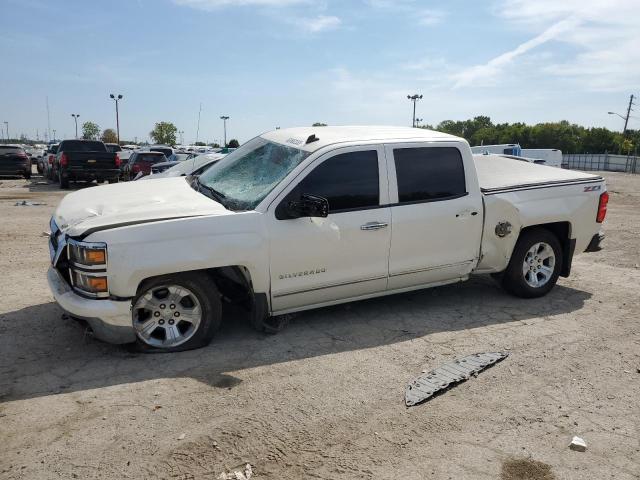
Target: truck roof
298,137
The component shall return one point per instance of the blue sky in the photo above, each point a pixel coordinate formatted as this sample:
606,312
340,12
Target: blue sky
269,63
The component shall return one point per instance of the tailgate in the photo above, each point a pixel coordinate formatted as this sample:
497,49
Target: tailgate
12,162
91,160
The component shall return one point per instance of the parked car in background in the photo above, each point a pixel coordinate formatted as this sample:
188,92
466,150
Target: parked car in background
47,160
165,149
14,161
113,147
86,160
174,160
140,163
193,166
303,218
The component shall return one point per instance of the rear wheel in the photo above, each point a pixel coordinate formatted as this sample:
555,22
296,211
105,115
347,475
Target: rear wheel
177,312
535,264
113,180
27,175
63,180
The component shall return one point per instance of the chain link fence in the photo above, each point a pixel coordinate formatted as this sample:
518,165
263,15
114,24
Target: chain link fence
601,161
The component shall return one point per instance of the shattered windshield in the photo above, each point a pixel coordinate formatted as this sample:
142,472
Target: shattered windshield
246,176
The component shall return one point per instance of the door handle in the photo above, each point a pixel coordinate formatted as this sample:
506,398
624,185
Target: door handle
374,226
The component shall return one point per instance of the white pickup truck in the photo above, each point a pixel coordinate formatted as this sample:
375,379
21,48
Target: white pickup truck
307,217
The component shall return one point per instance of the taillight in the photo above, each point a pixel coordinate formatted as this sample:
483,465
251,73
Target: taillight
117,161
64,160
50,159
135,168
602,207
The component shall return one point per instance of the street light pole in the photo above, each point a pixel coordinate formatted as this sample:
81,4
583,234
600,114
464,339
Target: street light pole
418,120
627,116
224,119
76,116
7,125
54,134
414,98
117,99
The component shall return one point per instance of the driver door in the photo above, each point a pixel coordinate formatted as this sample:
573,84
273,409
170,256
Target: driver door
316,261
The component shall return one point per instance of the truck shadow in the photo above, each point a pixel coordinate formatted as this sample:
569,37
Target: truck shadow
44,354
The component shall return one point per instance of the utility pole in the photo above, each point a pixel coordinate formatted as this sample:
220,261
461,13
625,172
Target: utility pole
626,120
414,98
54,134
181,132
198,129
76,116
117,99
48,119
224,119
7,125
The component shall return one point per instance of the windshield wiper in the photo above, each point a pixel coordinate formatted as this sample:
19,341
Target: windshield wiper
213,193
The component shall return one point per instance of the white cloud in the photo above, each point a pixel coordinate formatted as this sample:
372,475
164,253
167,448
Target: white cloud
214,4
491,71
430,17
319,23
603,37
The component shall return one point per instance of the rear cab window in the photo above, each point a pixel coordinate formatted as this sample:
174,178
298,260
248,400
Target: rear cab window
427,174
150,158
6,150
81,146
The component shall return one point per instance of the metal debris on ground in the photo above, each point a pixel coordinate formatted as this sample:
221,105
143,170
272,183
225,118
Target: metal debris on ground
449,374
242,472
25,203
578,444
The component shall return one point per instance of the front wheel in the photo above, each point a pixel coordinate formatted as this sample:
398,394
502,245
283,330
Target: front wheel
534,266
176,312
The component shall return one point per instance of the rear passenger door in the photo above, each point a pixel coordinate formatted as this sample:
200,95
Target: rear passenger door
436,212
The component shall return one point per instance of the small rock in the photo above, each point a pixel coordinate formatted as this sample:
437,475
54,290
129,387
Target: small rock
243,472
181,436
578,444
104,418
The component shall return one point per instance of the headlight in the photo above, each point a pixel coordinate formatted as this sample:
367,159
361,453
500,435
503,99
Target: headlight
88,254
88,268
92,284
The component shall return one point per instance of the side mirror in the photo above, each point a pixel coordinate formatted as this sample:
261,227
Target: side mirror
309,206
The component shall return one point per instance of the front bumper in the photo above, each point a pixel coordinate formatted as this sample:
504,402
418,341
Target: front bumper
110,320
595,245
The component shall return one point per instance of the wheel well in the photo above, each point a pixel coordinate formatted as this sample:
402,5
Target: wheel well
233,282
562,231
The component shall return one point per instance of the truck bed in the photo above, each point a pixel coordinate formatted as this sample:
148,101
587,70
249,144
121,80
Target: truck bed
497,174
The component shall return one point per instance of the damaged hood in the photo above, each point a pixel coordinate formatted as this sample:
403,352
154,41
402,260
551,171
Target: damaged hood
132,202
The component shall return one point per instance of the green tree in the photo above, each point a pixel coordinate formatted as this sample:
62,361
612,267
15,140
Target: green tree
214,145
319,124
90,130
109,136
164,132
233,143
627,146
200,144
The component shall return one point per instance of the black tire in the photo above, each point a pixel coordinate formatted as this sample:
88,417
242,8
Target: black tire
207,294
113,180
63,181
27,175
513,278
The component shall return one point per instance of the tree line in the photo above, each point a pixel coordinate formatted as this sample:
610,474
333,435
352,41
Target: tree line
163,132
568,137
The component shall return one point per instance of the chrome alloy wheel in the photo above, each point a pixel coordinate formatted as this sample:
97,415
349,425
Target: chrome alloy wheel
538,265
166,316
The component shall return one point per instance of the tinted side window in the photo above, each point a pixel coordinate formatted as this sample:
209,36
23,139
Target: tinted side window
347,181
429,173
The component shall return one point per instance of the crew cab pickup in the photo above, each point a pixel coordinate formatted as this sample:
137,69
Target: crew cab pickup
85,160
308,217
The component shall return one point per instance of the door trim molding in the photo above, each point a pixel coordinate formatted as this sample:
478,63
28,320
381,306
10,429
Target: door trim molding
426,269
332,285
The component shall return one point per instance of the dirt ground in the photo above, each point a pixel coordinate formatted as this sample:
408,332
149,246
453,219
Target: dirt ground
325,398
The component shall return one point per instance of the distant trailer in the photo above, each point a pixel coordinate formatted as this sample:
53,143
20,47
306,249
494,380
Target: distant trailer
504,149
551,156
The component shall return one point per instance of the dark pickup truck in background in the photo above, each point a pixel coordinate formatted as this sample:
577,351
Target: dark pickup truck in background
85,160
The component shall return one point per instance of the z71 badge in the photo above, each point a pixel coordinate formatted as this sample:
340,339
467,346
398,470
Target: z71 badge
592,188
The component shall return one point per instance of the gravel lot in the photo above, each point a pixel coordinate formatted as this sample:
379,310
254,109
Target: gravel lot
324,399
